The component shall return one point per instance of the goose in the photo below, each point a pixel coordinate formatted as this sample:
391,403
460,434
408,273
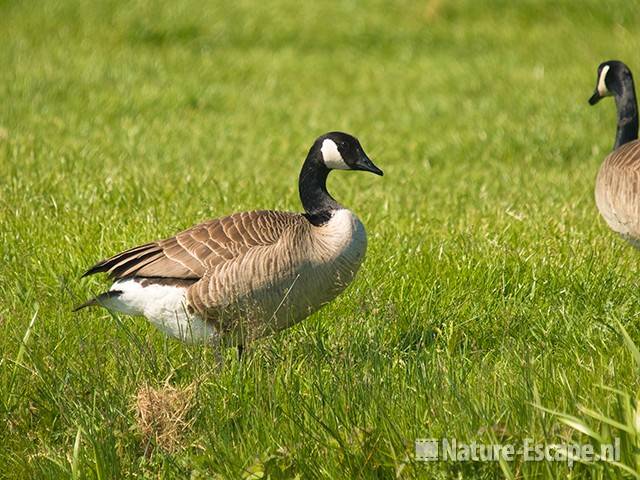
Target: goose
617,189
231,280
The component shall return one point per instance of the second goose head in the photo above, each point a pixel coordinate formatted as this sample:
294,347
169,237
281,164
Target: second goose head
331,151
615,79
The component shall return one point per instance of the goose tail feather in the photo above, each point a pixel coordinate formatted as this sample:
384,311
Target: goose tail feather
98,300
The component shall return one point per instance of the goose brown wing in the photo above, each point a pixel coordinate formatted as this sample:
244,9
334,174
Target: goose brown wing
618,189
190,253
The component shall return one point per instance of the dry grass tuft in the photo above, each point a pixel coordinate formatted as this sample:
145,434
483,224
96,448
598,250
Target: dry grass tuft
432,10
162,415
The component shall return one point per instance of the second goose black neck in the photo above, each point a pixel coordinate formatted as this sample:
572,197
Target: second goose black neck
318,204
627,107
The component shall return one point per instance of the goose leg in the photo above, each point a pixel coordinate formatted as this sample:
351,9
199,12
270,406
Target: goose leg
219,357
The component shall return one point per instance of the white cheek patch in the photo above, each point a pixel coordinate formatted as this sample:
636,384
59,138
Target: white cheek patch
331,155
602,86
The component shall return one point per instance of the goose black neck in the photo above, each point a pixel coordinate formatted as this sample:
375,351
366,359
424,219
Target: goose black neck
312,186
627,107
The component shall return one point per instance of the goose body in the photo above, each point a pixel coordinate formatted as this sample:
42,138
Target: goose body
237,278
617,190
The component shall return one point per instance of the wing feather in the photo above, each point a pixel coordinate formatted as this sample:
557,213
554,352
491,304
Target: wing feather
189,254
618,190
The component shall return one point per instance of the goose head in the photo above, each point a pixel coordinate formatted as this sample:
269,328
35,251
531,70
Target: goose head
613,75
341,151
331,151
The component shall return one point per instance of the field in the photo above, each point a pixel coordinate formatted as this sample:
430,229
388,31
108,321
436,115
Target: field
493,298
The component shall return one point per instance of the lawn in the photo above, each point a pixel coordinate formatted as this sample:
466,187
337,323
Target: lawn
492,293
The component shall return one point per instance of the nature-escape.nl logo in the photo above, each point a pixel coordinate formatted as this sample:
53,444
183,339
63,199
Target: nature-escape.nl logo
449,449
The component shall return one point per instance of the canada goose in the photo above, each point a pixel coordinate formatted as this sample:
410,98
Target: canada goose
618,182
237,278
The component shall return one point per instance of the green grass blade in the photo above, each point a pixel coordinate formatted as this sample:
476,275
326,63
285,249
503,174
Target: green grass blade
75,459
635,353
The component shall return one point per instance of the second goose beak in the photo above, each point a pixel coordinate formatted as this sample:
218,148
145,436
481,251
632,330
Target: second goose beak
595,98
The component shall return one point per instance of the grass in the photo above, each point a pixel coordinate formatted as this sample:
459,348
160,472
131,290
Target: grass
491,292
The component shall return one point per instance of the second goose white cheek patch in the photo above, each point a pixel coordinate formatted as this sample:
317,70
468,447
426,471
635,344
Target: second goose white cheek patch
331,155
602,86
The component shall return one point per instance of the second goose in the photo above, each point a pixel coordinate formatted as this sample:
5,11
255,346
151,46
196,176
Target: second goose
237,278
618,183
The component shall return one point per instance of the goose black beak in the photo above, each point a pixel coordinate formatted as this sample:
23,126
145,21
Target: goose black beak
595,98
366,165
